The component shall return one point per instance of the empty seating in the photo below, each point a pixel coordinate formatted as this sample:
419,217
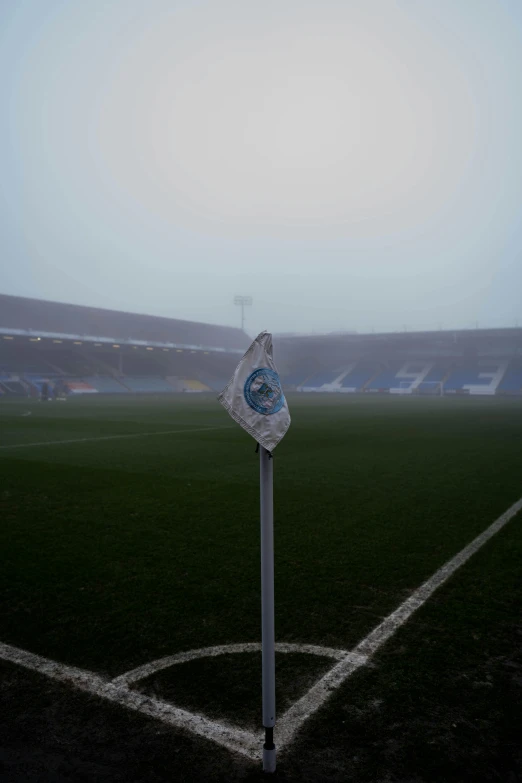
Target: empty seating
511,383
294,379
436,374
358,377
193,385
384,381
464,376
14,388
476,378
216,384
147,385
106,385
321,378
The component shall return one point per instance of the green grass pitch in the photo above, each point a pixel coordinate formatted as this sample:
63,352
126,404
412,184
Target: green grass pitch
116,551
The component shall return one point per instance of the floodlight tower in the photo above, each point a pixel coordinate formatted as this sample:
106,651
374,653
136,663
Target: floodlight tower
243,301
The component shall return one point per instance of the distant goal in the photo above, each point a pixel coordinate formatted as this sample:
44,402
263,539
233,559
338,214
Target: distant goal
430,389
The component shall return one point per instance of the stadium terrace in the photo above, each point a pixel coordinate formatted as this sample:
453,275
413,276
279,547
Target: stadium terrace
72,350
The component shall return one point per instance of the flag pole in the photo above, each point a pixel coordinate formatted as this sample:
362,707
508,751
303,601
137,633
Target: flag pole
266,475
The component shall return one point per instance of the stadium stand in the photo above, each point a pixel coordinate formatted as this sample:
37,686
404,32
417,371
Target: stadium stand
511,383
466,362
384,381
83,350
13,388
95,351
19,357
348,378
216,384
134,364
320,379
435,376
40,317
419,377
293,380
146,385
65,362
193,385
357,379
106,385
475,378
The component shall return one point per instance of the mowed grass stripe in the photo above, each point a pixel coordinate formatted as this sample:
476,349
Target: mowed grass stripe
291,722
79,418
442,699
118,553
364,651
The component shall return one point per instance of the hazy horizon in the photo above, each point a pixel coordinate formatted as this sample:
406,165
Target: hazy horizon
351,166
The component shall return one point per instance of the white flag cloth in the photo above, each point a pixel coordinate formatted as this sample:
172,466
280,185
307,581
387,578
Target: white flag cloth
254,396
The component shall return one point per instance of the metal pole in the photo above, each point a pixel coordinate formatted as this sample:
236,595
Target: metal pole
267,606
244,301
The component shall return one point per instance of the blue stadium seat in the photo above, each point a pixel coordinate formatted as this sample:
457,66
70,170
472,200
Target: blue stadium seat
294,379
466,376
320,378
217,384
387,379
437,374
358,377
147,384
511,383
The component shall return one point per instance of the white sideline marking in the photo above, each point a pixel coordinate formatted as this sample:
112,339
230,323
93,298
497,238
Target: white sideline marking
111,437
295,716
244,742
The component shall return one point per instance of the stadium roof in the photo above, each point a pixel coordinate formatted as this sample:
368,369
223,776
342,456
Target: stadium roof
36,317
439,336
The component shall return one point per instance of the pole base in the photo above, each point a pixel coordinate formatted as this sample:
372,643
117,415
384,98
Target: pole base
269,760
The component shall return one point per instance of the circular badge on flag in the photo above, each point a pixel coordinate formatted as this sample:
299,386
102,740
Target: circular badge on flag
263,391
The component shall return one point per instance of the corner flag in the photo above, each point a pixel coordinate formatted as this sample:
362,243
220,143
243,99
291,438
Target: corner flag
254,395
254,398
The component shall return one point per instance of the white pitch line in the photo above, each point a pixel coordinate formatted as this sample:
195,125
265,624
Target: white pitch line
301,710
141,672
56,671
244,742
111,437
230,737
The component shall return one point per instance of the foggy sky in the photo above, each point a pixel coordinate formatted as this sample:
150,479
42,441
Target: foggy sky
350,165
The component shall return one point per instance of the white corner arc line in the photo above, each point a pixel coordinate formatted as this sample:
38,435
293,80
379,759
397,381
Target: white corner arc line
247,743
244,742
112,437
148,669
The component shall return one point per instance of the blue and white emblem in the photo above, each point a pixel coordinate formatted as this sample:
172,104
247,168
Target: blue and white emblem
263,391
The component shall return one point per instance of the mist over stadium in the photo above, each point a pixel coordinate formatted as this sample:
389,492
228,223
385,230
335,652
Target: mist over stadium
229,227
75,350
